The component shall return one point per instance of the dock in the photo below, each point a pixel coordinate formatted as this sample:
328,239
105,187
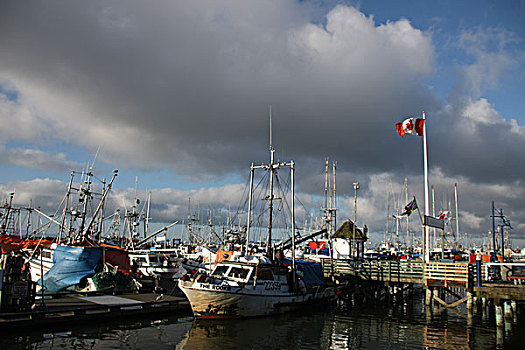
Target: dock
78,308
447,284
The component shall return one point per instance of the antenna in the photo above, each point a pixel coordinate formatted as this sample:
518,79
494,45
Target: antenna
94,159
271,145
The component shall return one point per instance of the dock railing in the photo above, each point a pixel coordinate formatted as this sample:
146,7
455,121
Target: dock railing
376,270
432,274
448,274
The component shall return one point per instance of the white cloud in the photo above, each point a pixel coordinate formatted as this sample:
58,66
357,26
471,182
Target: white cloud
36,159
494,55
481,111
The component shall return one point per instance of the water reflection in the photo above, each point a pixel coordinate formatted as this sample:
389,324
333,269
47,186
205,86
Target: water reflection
302,330
134,333
368,326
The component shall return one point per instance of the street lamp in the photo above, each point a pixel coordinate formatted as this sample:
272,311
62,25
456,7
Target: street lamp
356,187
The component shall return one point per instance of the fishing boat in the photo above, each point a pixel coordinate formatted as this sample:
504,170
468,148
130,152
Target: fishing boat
257,285
254,286
75,260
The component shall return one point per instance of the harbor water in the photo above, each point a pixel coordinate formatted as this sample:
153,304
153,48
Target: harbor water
407,325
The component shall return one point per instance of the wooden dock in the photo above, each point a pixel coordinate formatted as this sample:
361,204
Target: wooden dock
394,279
95,307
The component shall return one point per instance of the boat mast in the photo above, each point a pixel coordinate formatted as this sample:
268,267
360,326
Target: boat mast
66,206
249,208
85,195
457,213
334,208
146,219
387,231
292,170
270,198
408,223
272,167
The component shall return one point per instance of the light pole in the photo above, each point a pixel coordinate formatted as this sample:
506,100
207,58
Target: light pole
356,187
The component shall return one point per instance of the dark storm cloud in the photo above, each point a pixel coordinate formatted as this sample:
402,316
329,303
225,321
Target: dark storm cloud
187,86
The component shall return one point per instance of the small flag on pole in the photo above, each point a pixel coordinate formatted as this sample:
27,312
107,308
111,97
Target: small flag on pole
443,215
410,207
412,126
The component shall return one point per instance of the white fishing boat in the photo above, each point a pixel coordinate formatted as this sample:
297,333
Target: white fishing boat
252,285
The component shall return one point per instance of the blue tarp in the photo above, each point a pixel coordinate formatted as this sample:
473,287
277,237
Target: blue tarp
312,271
71,264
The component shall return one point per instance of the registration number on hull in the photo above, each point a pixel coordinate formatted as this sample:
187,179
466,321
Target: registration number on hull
272,285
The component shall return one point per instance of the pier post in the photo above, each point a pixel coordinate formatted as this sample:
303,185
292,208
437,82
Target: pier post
483,302
435,293
428,297
499,315
500,336
514,306
507,310
469,301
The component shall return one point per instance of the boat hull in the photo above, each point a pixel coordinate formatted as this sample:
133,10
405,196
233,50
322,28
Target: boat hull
220,302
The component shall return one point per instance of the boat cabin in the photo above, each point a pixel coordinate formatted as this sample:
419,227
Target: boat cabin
243,272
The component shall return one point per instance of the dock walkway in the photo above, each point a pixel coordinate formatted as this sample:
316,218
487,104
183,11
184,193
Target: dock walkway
87,308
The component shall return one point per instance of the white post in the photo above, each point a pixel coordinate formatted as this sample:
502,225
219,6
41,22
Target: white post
249,209
292,203
427,206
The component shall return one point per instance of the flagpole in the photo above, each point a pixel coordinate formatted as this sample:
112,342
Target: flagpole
427,206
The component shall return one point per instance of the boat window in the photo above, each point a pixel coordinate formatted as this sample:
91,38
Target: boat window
265,275
47,254
239,272
141,260
153,259
220,270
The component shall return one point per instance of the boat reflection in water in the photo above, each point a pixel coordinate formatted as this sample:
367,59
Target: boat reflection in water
304,330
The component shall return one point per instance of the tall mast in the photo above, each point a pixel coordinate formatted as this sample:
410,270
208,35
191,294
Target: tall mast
457,214
146,219
292,169
334,208
272,167
406,201
66,205
326,183
249,208
85,194
270,198
434,215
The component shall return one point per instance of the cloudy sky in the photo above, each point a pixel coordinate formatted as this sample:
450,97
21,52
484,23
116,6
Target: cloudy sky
175,95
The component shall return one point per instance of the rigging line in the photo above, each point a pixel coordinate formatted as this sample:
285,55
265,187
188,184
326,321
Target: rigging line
244,200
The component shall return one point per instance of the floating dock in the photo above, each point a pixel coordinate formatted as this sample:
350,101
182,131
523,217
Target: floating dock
94,307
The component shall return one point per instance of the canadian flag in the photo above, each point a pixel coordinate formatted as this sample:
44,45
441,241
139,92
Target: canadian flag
412,126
